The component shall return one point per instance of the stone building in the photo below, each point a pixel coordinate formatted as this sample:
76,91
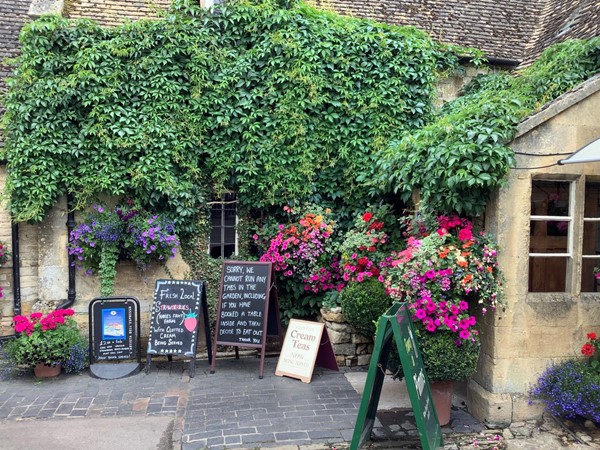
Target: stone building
545,218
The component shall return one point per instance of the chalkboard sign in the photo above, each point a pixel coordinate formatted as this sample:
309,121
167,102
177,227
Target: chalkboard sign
396,326
248,309
114,337
178,309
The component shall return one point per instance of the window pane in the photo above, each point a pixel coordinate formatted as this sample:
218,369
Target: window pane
547,274
592,200
548,236
230,235
215,236
591,238
223,222
588,280
549,198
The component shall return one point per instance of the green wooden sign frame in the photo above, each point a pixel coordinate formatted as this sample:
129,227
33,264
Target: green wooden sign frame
396,326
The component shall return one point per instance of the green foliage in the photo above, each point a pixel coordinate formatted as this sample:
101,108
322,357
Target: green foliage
363,303
443,359
457,159
43,339
281,105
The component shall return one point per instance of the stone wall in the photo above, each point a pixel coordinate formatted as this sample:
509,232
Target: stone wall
350,347
538,328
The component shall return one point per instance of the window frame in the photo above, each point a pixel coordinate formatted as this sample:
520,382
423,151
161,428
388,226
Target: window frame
574,262
223,227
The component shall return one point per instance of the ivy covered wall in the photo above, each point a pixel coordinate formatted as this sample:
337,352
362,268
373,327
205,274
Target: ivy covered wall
281,105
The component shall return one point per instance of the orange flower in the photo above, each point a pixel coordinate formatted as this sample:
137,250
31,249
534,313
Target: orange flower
489,269
444,253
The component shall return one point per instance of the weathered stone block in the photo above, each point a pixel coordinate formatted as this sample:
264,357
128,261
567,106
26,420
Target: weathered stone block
344,349
333,315
339,326
363,360
360,339
351,361
39,7
495,410
339,337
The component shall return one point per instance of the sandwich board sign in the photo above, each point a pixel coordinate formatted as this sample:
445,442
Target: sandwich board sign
178,311
306,344
396,326
248,308
114,337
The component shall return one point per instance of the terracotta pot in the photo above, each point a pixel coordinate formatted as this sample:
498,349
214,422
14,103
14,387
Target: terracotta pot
442,391
47,370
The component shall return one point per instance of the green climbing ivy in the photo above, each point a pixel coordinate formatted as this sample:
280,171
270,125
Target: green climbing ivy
280,105
462,155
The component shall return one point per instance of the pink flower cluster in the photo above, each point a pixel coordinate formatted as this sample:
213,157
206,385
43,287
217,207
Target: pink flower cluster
297,250
24,324
444,314
325,279
440,273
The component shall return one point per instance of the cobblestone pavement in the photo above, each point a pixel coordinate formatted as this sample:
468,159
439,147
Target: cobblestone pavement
234,409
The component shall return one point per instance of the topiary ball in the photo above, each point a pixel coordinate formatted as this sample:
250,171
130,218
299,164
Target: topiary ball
363,303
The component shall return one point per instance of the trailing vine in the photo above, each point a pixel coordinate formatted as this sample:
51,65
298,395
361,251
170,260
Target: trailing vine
461,156
280,105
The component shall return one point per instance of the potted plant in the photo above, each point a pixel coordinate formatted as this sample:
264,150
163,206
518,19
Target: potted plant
444,274
43,342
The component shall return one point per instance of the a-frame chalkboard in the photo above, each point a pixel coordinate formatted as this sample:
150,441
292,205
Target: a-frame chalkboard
248,308
396,326
178,310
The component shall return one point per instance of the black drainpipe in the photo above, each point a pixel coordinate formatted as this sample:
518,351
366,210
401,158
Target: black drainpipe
16,269
70,225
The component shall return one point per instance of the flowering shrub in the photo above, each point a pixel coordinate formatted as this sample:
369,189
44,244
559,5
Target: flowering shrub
303,253
105,234
301,249
442,274
364,250
46,339
570,389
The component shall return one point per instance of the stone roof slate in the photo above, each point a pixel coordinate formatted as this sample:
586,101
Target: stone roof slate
516,30
13,15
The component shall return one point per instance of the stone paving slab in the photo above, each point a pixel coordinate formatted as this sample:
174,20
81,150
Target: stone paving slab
230,409
233,408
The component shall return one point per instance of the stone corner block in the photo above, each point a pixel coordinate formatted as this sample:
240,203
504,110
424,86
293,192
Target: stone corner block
40,7
493,409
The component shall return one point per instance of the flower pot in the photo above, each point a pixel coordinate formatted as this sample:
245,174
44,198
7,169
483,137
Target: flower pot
47,370
441,392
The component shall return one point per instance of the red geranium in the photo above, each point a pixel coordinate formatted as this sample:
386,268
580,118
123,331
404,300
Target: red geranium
587,349
367,216
592,336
